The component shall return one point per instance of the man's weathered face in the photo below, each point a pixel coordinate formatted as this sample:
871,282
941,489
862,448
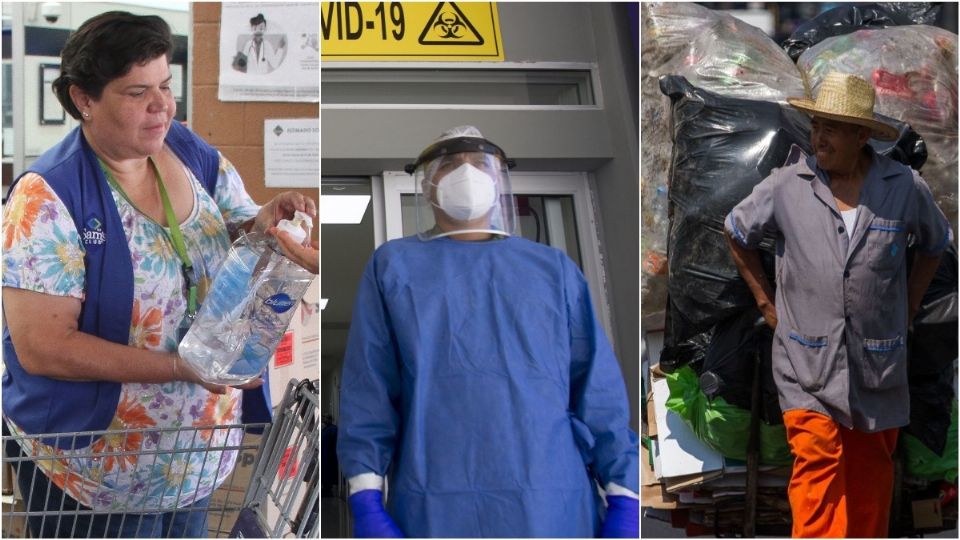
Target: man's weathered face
837,144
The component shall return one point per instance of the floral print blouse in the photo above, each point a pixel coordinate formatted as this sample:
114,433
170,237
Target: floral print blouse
43,253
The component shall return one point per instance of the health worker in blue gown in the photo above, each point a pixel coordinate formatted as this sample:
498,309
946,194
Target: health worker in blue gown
477,377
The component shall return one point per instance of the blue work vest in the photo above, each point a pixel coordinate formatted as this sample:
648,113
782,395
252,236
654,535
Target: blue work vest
41,405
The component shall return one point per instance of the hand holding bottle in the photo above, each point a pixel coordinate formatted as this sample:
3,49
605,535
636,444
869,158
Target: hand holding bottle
283,206
182,371
307,256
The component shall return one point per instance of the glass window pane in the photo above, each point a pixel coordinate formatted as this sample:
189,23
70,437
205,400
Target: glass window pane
7,109
538,223
346,249
456,87
570,230
408,214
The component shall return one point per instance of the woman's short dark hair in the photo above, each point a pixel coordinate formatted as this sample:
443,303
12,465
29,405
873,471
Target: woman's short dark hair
105,48
259,19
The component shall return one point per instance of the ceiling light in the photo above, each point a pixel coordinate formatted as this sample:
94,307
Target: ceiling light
343,208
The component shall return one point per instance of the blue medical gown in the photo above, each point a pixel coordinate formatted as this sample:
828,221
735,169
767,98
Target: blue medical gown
478,379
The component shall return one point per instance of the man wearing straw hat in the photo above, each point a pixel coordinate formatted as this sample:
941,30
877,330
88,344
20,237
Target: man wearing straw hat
842,218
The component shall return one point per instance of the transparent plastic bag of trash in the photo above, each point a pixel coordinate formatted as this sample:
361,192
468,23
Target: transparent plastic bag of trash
714,51
850,18
914,71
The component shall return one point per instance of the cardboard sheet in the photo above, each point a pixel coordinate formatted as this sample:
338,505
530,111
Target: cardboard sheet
681,453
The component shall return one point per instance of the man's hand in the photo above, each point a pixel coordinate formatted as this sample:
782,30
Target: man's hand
769,312
623,518
370,519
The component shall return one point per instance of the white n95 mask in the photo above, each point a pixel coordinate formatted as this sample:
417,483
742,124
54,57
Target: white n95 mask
466,193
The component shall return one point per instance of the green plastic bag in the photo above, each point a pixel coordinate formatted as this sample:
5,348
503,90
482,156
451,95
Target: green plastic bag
921,462
722,426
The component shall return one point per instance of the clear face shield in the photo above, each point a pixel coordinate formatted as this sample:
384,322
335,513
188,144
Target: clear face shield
462,186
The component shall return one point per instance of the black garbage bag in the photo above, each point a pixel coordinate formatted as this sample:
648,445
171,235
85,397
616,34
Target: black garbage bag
908,148
931,349
727,369
723,147
850,18
690,351
939,302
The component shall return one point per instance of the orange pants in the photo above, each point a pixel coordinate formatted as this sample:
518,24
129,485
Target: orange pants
842,481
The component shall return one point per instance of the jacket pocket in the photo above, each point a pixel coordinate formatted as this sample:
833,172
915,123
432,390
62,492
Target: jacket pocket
810,359
886,244
884,363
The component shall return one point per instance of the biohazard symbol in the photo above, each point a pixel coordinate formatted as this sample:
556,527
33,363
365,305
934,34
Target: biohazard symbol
449,26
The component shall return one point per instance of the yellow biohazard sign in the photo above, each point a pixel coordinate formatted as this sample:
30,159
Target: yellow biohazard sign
391,31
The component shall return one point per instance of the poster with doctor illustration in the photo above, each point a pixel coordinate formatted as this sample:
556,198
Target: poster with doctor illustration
269,51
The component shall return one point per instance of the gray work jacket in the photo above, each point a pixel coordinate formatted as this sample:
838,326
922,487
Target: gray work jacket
840,343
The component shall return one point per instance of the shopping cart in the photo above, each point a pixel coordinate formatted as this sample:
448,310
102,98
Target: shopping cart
284,495
273,490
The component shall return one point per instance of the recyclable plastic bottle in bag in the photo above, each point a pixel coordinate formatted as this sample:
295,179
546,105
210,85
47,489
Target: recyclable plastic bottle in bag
248,308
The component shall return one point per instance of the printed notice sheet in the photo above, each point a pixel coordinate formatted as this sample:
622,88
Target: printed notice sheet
269,51
291,152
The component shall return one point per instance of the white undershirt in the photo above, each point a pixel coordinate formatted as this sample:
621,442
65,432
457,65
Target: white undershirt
849,219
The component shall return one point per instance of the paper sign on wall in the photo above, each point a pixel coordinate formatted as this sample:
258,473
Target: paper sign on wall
284,353
269,51
291,152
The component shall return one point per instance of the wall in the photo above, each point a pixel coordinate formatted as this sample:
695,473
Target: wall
235,128
617,186
547,32
567,140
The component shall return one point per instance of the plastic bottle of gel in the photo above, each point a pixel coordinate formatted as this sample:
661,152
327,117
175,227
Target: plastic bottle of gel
248,308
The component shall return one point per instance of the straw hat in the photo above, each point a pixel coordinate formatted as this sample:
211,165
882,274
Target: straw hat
846,98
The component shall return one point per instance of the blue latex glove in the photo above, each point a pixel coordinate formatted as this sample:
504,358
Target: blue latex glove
623,518
370,519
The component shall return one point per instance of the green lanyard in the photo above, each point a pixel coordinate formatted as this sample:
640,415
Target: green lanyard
176,236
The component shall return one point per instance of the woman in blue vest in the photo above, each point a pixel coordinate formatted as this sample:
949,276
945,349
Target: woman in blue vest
109,240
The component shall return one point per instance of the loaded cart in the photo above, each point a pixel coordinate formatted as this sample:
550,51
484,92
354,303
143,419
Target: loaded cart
272,490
